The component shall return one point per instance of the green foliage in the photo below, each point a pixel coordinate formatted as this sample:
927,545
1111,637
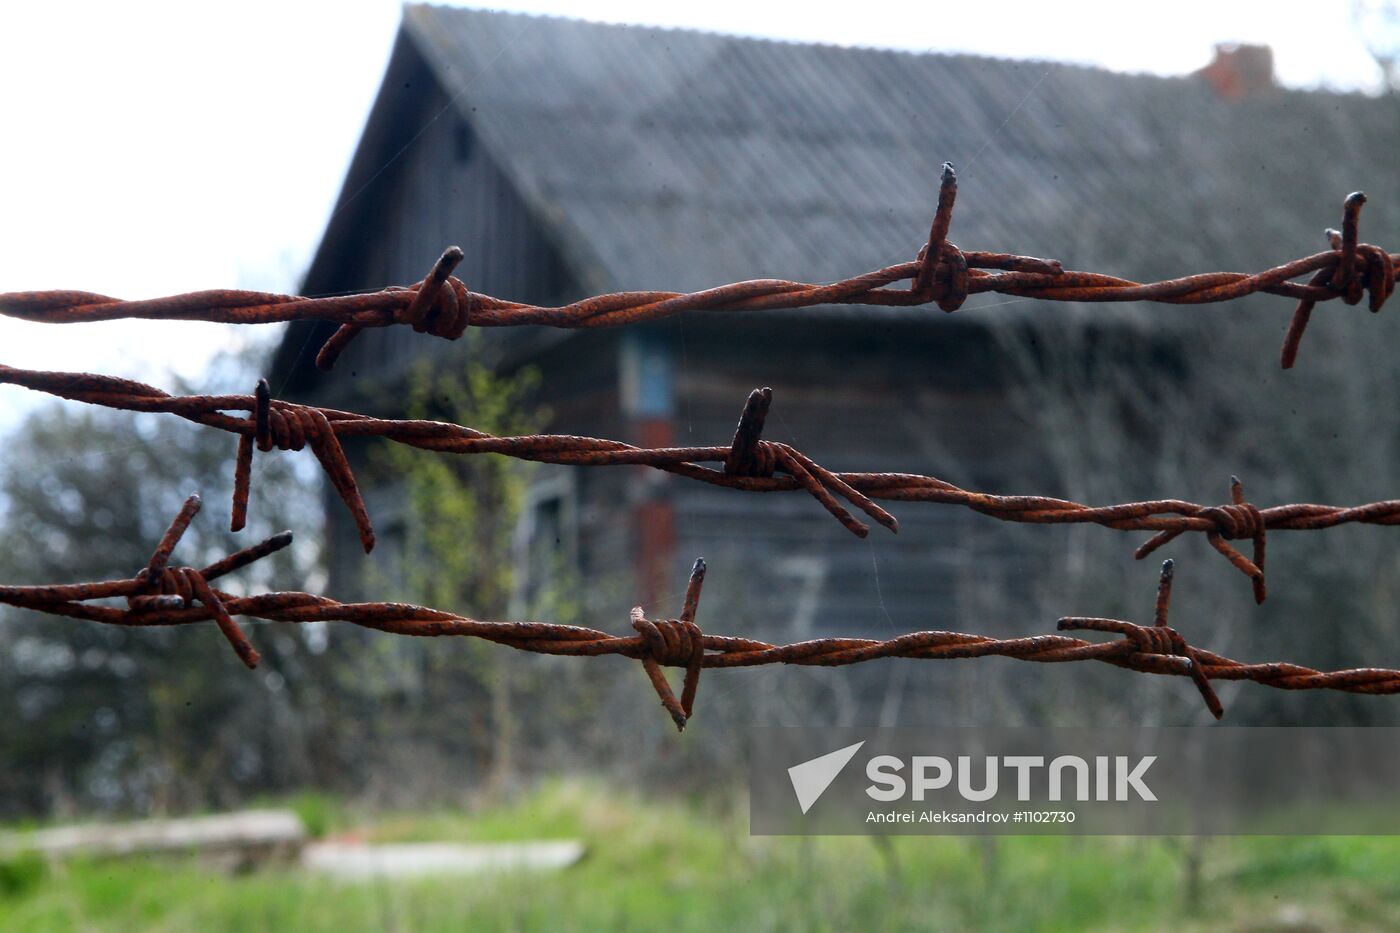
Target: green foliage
463,510
319,812
110,717
692,866
453,550
21,873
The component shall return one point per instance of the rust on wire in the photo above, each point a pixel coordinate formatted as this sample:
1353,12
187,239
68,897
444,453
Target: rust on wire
159,588
184,596
748,463
941,274
442,305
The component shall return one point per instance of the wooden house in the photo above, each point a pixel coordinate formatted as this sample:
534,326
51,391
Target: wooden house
570,158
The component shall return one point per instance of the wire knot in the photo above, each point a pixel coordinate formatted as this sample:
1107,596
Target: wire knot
1239,519
1164,641
1155,640
670,642
439,307
761,460
1360,268
1372,272
1235,521
174,588
287,426
675,643
290,427
751,456
947,282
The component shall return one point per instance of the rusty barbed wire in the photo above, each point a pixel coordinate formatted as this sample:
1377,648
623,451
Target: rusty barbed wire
941,274
748,463
161,595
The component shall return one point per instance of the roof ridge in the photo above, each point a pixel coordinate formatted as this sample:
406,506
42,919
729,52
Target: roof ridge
842,48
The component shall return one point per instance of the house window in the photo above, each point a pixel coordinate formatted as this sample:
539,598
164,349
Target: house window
546,544
647,376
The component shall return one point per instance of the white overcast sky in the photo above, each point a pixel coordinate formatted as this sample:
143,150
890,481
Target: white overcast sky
151,148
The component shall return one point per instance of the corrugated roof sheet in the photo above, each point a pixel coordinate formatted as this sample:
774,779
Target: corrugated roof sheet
678,159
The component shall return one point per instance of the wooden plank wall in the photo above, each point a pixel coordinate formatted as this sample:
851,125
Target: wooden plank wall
851,393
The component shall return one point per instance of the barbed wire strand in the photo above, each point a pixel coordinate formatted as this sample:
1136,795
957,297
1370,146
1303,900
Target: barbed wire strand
941,274
748,463
161,595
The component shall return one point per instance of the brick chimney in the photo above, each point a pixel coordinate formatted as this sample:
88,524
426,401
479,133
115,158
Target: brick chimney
1239,70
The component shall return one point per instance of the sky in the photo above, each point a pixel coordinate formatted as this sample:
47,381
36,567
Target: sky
150,148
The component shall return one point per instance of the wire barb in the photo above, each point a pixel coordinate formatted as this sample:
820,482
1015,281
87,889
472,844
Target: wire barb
677,642
432,309
1339,279
747,456
1156,640
159,587
286,426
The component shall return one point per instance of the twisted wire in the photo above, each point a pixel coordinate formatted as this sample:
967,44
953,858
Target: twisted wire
748,463
658,643
941,274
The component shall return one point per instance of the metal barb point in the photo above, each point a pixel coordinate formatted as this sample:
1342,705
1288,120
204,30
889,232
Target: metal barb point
262,413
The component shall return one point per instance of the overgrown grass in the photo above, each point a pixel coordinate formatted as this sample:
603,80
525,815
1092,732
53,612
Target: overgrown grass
687,866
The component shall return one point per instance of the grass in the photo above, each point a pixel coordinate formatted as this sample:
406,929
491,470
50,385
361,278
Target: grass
687,866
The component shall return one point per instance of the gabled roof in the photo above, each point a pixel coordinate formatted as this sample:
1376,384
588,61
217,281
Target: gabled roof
676,159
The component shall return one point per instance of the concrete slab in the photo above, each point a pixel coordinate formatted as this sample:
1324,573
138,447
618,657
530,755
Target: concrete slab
249,830
351,861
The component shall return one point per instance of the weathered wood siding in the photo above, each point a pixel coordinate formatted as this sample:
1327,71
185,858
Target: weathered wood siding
854,397
852,394
443,188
